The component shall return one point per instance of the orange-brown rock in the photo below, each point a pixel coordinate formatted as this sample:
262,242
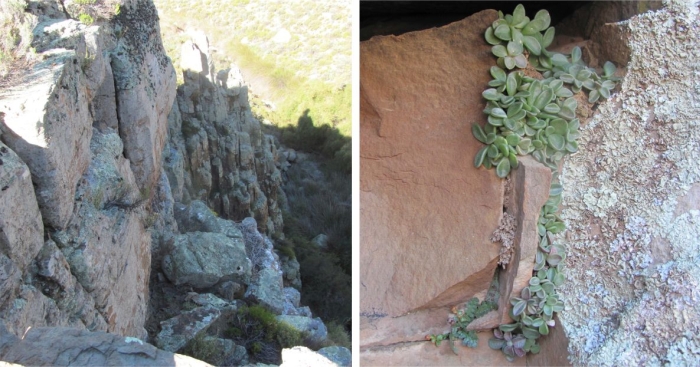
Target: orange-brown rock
426,212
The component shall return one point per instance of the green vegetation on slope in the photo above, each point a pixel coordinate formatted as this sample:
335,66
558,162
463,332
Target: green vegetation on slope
295,54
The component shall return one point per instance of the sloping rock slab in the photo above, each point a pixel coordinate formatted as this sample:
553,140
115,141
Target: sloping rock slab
179,330
426,213
339,355
60,346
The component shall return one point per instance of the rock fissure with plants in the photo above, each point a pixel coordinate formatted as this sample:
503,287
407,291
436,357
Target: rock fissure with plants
529,115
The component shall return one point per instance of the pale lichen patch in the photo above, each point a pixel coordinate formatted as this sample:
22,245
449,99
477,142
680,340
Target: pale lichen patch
633,264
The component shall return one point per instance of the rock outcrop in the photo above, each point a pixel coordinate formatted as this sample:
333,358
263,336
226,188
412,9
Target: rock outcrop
216,151
85,260
418,183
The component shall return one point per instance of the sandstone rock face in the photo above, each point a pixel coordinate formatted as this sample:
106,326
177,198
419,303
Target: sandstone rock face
20,219
216,150
75,347
48,124
203,259
145,89
426,213
92,153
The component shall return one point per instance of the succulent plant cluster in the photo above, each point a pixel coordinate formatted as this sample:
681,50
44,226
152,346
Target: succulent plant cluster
533,116
534,310
513,33
459,319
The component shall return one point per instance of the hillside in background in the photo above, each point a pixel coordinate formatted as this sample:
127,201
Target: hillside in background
295,55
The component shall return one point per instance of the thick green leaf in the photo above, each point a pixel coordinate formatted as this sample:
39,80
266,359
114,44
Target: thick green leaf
575,54
544,329
496,344
479,133
519,307
609,69
491,37
513,140
499,51
543,16
503,168
593,96
583,74
532,44
521,61
572,146
480,156
553,260
495,121
513,159
567,78
563,92
514,48
509,62
543,98
502,32
548,37
498,112
567,113
511,84
556,227
498,73
561,127
555,189
491,94
551,108
559,60
534,26
492,151
508,327
556,141
518,14
604,92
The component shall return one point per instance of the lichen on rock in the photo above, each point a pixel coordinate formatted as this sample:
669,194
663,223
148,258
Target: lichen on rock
633,271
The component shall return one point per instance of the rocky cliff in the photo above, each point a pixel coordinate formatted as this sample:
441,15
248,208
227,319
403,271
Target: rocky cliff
122,195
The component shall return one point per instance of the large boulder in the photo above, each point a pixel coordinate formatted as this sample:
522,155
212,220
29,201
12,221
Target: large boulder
202,259
427,213
176,332
314,328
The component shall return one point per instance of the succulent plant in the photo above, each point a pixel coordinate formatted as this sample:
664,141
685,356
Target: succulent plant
513,33
459,319
511,345
538,117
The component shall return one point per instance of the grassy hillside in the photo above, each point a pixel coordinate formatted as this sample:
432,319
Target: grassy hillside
295,55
